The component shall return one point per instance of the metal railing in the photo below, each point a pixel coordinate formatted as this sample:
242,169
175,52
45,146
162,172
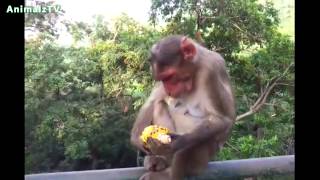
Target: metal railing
277,165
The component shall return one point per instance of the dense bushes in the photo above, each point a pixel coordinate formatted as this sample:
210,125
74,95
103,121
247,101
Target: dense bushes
81,101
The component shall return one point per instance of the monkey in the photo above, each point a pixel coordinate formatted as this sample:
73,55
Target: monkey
194,99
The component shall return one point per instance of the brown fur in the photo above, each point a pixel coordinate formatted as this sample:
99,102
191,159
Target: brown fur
203,118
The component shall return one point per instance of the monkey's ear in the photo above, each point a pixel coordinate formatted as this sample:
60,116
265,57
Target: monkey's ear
188,49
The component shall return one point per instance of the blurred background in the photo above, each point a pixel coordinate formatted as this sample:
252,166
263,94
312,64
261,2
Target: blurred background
86,75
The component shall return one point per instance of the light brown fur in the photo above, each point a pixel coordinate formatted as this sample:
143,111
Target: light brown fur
203,118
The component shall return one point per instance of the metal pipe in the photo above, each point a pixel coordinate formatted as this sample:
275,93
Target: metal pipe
218,169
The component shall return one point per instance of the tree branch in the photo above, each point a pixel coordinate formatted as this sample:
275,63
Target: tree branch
115,35
218,49
284,84
264,95
232,147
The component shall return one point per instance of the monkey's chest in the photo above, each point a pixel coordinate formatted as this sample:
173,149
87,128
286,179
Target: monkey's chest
186,115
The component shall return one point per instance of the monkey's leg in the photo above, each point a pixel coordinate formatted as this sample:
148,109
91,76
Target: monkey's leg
190,162
155,163
161,175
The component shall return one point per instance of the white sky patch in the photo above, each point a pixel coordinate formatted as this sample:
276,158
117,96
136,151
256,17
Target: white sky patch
84,10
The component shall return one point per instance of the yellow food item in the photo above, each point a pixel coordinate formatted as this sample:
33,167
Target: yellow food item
156,132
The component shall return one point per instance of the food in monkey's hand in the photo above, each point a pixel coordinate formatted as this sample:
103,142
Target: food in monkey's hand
155,132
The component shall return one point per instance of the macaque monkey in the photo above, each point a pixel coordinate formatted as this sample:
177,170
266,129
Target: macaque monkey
194,99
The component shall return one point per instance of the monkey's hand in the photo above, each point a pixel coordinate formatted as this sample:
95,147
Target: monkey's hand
174,136
178,143
158,148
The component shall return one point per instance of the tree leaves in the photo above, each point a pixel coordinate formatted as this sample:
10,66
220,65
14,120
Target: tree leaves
81,101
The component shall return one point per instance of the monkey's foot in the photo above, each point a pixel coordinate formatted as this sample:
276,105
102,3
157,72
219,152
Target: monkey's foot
155,163
162,175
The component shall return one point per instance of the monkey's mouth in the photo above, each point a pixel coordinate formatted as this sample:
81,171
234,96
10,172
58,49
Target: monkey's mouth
171,88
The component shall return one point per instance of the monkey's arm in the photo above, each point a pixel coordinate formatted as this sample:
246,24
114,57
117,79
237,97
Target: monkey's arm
216,128
144,119
221,119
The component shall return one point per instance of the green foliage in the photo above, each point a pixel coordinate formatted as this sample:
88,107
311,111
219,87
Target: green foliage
81,101
44,23
224,24
245,32
76,96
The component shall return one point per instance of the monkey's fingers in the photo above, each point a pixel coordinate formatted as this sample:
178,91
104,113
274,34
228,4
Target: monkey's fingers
156,147
159,148
174,136
153,142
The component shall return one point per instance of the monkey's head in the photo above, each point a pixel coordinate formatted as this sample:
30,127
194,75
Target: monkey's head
173,62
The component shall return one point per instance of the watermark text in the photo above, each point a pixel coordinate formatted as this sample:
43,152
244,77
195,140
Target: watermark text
33,9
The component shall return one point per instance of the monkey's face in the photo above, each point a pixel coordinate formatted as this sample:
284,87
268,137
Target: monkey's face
177,79
172,63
